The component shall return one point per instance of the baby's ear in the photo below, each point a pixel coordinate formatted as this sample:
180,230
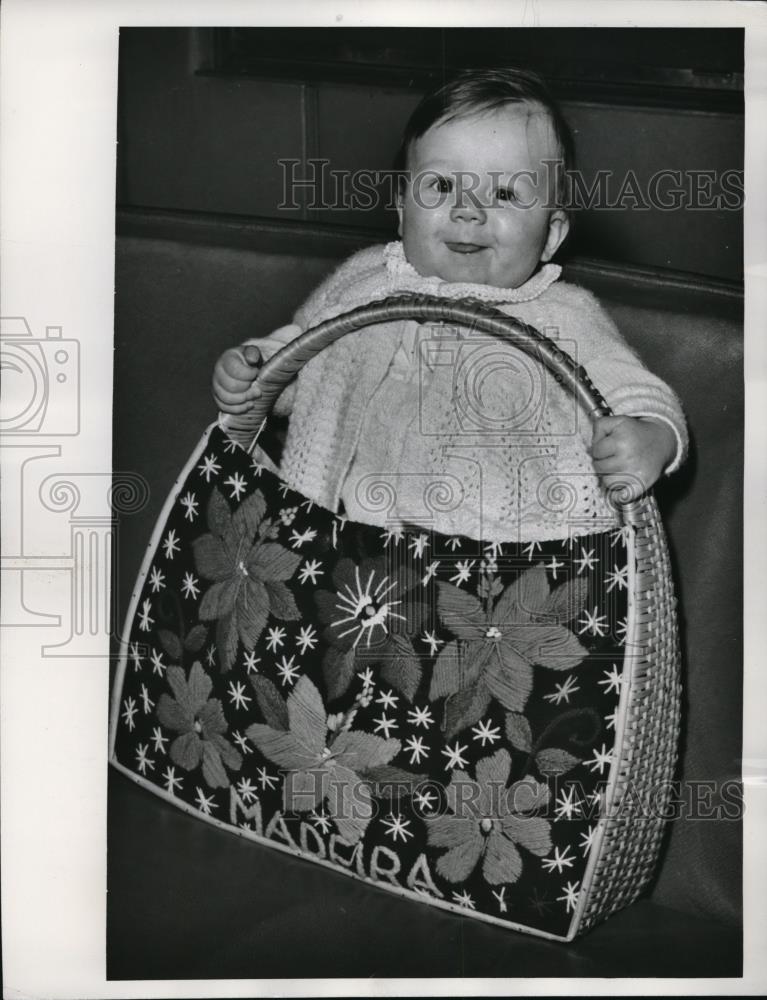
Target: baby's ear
559,226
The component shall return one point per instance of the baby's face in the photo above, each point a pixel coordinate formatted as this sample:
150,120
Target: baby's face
462,216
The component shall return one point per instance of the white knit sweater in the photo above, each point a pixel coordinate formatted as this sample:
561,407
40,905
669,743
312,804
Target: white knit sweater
454,431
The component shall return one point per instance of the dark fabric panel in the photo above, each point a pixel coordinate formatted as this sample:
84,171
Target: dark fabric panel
179,305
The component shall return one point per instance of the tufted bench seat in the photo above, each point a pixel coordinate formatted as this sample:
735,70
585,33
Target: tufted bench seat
187,900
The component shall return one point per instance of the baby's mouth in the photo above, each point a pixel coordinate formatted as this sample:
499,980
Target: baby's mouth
465,247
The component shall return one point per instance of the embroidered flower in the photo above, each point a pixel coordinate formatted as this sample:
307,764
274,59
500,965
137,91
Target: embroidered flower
371,616
248,571
324,760
487,820
201,724
498,645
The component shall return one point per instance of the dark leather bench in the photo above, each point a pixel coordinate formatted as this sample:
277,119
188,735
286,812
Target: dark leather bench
190,901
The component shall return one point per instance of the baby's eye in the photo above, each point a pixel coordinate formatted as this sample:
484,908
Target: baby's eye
505,194
442,184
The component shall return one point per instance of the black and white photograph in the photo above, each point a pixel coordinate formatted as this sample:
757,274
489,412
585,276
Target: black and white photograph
384,527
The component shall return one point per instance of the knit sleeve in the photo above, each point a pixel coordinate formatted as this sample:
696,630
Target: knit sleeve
628,386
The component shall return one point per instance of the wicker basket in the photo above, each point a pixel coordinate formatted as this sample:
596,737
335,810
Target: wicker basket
224,729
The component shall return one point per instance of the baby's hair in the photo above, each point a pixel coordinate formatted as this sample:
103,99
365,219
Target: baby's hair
473,91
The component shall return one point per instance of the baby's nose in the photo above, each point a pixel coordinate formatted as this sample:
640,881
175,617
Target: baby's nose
467,208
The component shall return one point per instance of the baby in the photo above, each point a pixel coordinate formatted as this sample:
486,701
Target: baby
481,214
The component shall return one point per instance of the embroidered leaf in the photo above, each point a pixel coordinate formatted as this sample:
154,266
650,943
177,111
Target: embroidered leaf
226,642
553,760
391,782
446,675
211,718
551,646
186,751
212,768
231,757
281,601
281,747
248,516
218,600
170,642
566,601
465,708
509,678
492,774
518,731
174,716
307,716
210,558
271,561
402,670
502,862
532,832
461,612
362,750
219,515
252,612
350,803
199,686
338,671
528,795
195,638
273,706
523,598
459,862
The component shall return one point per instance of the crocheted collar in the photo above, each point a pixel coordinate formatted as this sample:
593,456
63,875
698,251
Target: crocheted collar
404,277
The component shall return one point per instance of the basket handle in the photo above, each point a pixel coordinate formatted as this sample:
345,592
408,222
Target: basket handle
283,366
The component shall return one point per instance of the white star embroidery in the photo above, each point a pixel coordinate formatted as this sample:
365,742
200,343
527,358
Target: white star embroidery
433,643
418,545
483,731
561,860
320,820
287,670
531,549
266,780
454,543
250,662
241,741
611,719
306,639
617,578
135,656
284,489
464,570
257,467
554,565
145,622
494,549
587,840
621,631
622,535
570,897
189,586
595,624
612,680
205,804
210,656
417,749
420,717
501,899
129,710
171,781
430,571
246,790
384,725
396,826
424,799
209,468
464,899
586,561
148,703
189,503
157,579
237,695
454,756
275,637
299,538
339,524
394,533
157,665
159,740
142,760
387,700
170,544
563,691
309,505
602,758
310,571
237,482
566,805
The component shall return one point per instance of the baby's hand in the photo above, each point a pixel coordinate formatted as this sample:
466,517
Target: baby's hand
630,453
234,386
